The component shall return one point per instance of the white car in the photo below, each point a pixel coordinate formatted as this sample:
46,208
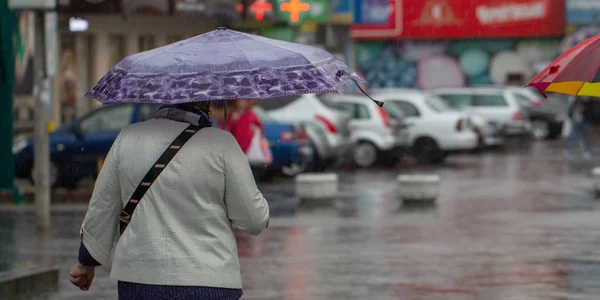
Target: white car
376,136
435,130
491,135
333,142
498,105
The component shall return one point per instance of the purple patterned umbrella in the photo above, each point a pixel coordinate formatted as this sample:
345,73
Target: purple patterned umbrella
223,65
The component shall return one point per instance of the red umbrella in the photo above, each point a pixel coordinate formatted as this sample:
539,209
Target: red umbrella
575,72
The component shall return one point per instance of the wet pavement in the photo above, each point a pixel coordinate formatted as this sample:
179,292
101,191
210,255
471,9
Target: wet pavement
519,224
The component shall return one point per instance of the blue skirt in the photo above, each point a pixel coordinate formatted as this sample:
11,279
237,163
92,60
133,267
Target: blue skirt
138,291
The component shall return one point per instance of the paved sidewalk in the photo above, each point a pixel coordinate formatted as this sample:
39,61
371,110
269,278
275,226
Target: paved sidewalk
516,225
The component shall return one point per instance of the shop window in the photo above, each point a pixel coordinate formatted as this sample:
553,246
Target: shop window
174,38
67,77
117,49
147,42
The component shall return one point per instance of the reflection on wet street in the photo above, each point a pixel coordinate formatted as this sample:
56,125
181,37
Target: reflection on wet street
509,224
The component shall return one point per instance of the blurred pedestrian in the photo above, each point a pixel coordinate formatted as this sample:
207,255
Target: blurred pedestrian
180,244
247,128
243,122
580,113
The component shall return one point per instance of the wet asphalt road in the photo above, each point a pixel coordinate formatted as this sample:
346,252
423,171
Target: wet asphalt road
518,224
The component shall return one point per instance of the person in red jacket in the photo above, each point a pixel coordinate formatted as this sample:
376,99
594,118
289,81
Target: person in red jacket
243,122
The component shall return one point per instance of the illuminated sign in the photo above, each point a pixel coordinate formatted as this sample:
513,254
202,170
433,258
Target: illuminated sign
259,7
294,8
78,25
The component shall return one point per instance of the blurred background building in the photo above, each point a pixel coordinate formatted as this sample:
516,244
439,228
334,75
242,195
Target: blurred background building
394,43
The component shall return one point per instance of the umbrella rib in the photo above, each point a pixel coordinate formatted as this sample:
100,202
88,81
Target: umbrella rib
293,52
249,64
158,53
576,60
139,61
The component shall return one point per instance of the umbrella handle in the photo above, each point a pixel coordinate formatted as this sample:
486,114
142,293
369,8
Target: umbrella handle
226,122
341,73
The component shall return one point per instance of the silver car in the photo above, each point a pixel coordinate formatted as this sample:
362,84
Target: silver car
376,134
498,106
326,124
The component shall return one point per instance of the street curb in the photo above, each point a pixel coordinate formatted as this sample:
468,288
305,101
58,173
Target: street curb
77,196
29,208
19,284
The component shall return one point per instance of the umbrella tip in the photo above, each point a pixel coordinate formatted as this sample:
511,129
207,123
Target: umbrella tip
379,103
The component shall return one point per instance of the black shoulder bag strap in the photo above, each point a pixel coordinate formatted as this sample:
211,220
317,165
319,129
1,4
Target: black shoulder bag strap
153,173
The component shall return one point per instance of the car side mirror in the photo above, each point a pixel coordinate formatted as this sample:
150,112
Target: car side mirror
76,131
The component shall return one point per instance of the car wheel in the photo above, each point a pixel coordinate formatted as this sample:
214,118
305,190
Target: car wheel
294,169
426,150
540,129
365,154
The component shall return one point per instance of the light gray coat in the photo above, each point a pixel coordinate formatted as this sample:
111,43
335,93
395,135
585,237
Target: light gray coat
182,230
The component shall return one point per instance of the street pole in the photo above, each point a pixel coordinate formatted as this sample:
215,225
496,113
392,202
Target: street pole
8,25
41,141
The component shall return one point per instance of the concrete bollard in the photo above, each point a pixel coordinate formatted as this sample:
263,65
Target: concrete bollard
29,283
418,188
317,186
596,180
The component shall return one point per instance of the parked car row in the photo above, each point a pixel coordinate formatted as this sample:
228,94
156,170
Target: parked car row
314,132
78,148
519,110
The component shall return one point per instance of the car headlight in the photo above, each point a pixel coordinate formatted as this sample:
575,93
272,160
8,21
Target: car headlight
19,146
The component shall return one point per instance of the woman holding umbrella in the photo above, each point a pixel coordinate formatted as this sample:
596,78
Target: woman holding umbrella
189,184
576,72
580,113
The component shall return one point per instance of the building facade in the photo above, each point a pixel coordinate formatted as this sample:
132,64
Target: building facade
114,29
442,43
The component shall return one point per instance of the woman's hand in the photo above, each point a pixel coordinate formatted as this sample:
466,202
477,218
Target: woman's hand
82,276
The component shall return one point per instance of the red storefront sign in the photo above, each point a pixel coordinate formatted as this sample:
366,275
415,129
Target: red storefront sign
447,19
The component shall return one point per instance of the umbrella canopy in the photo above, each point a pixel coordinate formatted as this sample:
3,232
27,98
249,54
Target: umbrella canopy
575,72
223,65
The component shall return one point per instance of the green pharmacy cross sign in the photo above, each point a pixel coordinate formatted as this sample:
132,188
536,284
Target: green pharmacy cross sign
296,12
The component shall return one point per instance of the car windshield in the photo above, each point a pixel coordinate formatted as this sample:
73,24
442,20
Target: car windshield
523,101
327,101
394,111
437,104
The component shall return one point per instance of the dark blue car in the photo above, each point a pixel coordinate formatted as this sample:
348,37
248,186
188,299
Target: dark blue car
78,148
